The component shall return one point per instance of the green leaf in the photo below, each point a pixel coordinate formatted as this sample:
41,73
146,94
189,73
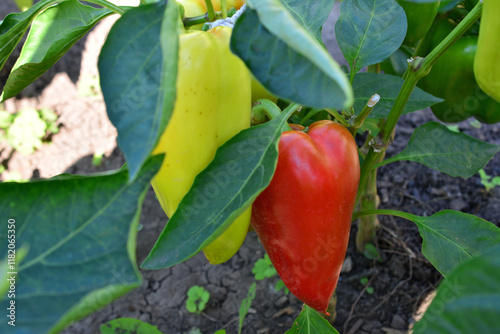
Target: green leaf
310,322
371,252
80,232
241,169
52,34
191,306
468,301
452,237
128,326
312,14
26,132
263,268
197,299
245,305
138,71
388,87
369,31
286,59
439,148
48,115
14,25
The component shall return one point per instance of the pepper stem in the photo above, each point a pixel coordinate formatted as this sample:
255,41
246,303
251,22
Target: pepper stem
192,21
210,10
264,110
223,7
337,117
364,113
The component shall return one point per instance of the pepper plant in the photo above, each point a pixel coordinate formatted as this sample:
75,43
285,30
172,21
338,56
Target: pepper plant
76,234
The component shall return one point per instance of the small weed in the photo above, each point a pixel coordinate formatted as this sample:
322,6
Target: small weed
245,305
26,129
487,181
263,268
365,281
197,299
97,158
371,252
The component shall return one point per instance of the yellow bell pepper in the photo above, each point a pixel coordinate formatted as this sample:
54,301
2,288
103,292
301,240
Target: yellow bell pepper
213,104
487,60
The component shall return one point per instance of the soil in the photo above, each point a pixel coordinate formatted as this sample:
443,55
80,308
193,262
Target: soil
401,279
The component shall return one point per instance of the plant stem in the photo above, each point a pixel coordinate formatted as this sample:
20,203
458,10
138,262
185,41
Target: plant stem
337,117
310,114
210,10
387,212
264,110
192,21
223,6
108,5
368,225
364,113
418,69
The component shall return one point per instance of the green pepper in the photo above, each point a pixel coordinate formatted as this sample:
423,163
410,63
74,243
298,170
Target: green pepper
208,111
452,79
419,17
487,62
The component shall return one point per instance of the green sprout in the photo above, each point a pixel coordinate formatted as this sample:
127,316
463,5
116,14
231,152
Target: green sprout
25,130
197,299
365,281
487,181
263,268
97,158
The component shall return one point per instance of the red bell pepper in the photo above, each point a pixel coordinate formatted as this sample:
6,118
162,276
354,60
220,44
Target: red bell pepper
303,217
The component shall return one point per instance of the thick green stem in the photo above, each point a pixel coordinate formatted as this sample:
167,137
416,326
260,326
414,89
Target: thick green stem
419,68
192,21
210,10
368,225
108,5
223,6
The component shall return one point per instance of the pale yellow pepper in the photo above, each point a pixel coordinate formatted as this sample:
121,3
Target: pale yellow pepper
213,104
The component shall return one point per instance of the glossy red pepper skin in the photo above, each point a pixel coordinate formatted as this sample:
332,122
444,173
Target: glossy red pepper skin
303,217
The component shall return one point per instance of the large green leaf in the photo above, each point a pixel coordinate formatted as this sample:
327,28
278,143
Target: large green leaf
52,34
240,170
468,301
437,147
138,71
311,13
388,87
310,322
80,235
451,237
13,27
369,31
287,59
